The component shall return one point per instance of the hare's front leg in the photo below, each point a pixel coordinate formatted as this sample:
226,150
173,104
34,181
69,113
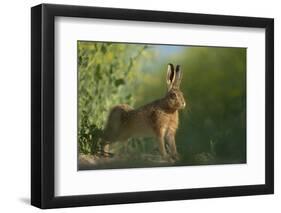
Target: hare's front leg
161,141
170,136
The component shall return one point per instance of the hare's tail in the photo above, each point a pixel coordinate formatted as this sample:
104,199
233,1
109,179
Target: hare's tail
114,122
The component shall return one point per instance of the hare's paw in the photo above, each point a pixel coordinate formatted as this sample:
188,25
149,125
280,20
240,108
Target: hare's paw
176,157
168,158
108,154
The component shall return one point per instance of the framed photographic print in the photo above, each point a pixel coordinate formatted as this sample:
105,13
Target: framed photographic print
139,106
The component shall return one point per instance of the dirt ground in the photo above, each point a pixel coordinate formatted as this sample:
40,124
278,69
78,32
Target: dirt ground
88,162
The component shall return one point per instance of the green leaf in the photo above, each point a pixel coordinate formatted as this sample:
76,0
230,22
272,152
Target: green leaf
119,82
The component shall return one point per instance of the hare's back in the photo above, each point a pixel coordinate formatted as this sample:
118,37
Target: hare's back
138,123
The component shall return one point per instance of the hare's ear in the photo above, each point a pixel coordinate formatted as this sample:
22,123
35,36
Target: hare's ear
170,76
178,76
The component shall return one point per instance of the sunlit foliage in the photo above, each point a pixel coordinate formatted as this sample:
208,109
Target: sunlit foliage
105,78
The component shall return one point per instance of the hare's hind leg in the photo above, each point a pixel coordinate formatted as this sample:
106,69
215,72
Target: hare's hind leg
105,149
106,141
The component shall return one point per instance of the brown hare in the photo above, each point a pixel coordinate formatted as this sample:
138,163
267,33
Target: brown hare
157,119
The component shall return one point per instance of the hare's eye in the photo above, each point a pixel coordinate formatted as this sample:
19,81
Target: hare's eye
173,95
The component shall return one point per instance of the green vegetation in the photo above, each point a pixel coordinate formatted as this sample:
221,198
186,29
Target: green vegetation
213,126
215,85
105,78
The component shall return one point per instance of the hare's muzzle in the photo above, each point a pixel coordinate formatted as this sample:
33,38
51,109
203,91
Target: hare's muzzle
181,101
183,105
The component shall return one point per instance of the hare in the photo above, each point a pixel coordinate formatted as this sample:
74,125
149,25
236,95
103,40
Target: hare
157,119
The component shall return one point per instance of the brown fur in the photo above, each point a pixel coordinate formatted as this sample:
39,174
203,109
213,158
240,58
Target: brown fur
157,119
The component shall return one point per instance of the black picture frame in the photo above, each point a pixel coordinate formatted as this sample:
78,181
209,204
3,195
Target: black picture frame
43,105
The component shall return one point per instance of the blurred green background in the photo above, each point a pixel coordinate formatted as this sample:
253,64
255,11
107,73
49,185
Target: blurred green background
213,125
